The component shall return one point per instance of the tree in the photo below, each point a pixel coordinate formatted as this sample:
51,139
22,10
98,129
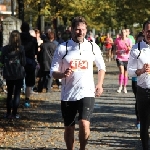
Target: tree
98,13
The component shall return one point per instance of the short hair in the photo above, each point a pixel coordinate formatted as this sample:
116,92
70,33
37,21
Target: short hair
25,27
140,34
77,20
145,23
51,35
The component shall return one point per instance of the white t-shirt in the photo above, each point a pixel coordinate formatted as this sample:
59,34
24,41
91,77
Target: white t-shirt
80,58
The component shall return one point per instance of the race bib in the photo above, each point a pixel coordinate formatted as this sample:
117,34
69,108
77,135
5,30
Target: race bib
79,65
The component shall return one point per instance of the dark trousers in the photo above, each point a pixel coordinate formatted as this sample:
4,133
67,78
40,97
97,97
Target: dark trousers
13,87
45,81
134,89
143,103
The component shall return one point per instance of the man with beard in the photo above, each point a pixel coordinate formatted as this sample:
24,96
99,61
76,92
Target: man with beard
73,63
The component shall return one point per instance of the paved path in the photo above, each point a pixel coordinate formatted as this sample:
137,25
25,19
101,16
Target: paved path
41,126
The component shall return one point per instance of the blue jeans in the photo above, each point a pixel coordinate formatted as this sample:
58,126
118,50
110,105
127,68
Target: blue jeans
13,87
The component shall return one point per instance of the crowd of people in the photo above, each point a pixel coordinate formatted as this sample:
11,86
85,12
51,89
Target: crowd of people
68,58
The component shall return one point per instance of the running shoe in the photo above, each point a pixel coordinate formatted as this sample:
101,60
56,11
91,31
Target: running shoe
27,104
138,125
125,90
15,116
119,90
7,116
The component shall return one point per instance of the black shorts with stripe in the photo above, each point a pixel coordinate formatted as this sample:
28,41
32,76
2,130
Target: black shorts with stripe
83,107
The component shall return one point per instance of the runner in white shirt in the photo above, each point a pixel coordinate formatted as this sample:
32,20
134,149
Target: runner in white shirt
139,65
73,63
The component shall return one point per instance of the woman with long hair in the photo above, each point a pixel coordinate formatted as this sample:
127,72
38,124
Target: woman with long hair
123,46
13,59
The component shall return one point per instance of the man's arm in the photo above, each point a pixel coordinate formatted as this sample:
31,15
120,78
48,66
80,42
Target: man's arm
60,75
132,66
99,86
101,74
146,68
99,61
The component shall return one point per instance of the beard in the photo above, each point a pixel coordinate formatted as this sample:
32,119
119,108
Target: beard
79,38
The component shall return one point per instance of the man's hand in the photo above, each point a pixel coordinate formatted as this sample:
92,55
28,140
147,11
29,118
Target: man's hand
147,68
98,90
67,72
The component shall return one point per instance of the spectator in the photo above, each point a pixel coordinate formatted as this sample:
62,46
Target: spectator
13,58
38,37
30,47
46,56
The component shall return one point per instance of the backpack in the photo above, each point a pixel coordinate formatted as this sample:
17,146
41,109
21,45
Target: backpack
13,68
67,49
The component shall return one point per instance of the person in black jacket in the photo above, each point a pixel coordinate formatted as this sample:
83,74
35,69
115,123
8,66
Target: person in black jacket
1,37
13,58
31,47
46,56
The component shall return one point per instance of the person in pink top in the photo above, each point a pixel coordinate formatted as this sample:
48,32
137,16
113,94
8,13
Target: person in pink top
123,46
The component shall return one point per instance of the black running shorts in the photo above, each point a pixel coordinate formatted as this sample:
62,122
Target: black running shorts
84,107
122,63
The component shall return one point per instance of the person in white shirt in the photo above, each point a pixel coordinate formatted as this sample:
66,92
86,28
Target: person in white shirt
73,63
139,65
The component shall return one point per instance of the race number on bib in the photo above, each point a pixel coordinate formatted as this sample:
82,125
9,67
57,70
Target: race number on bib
79,65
